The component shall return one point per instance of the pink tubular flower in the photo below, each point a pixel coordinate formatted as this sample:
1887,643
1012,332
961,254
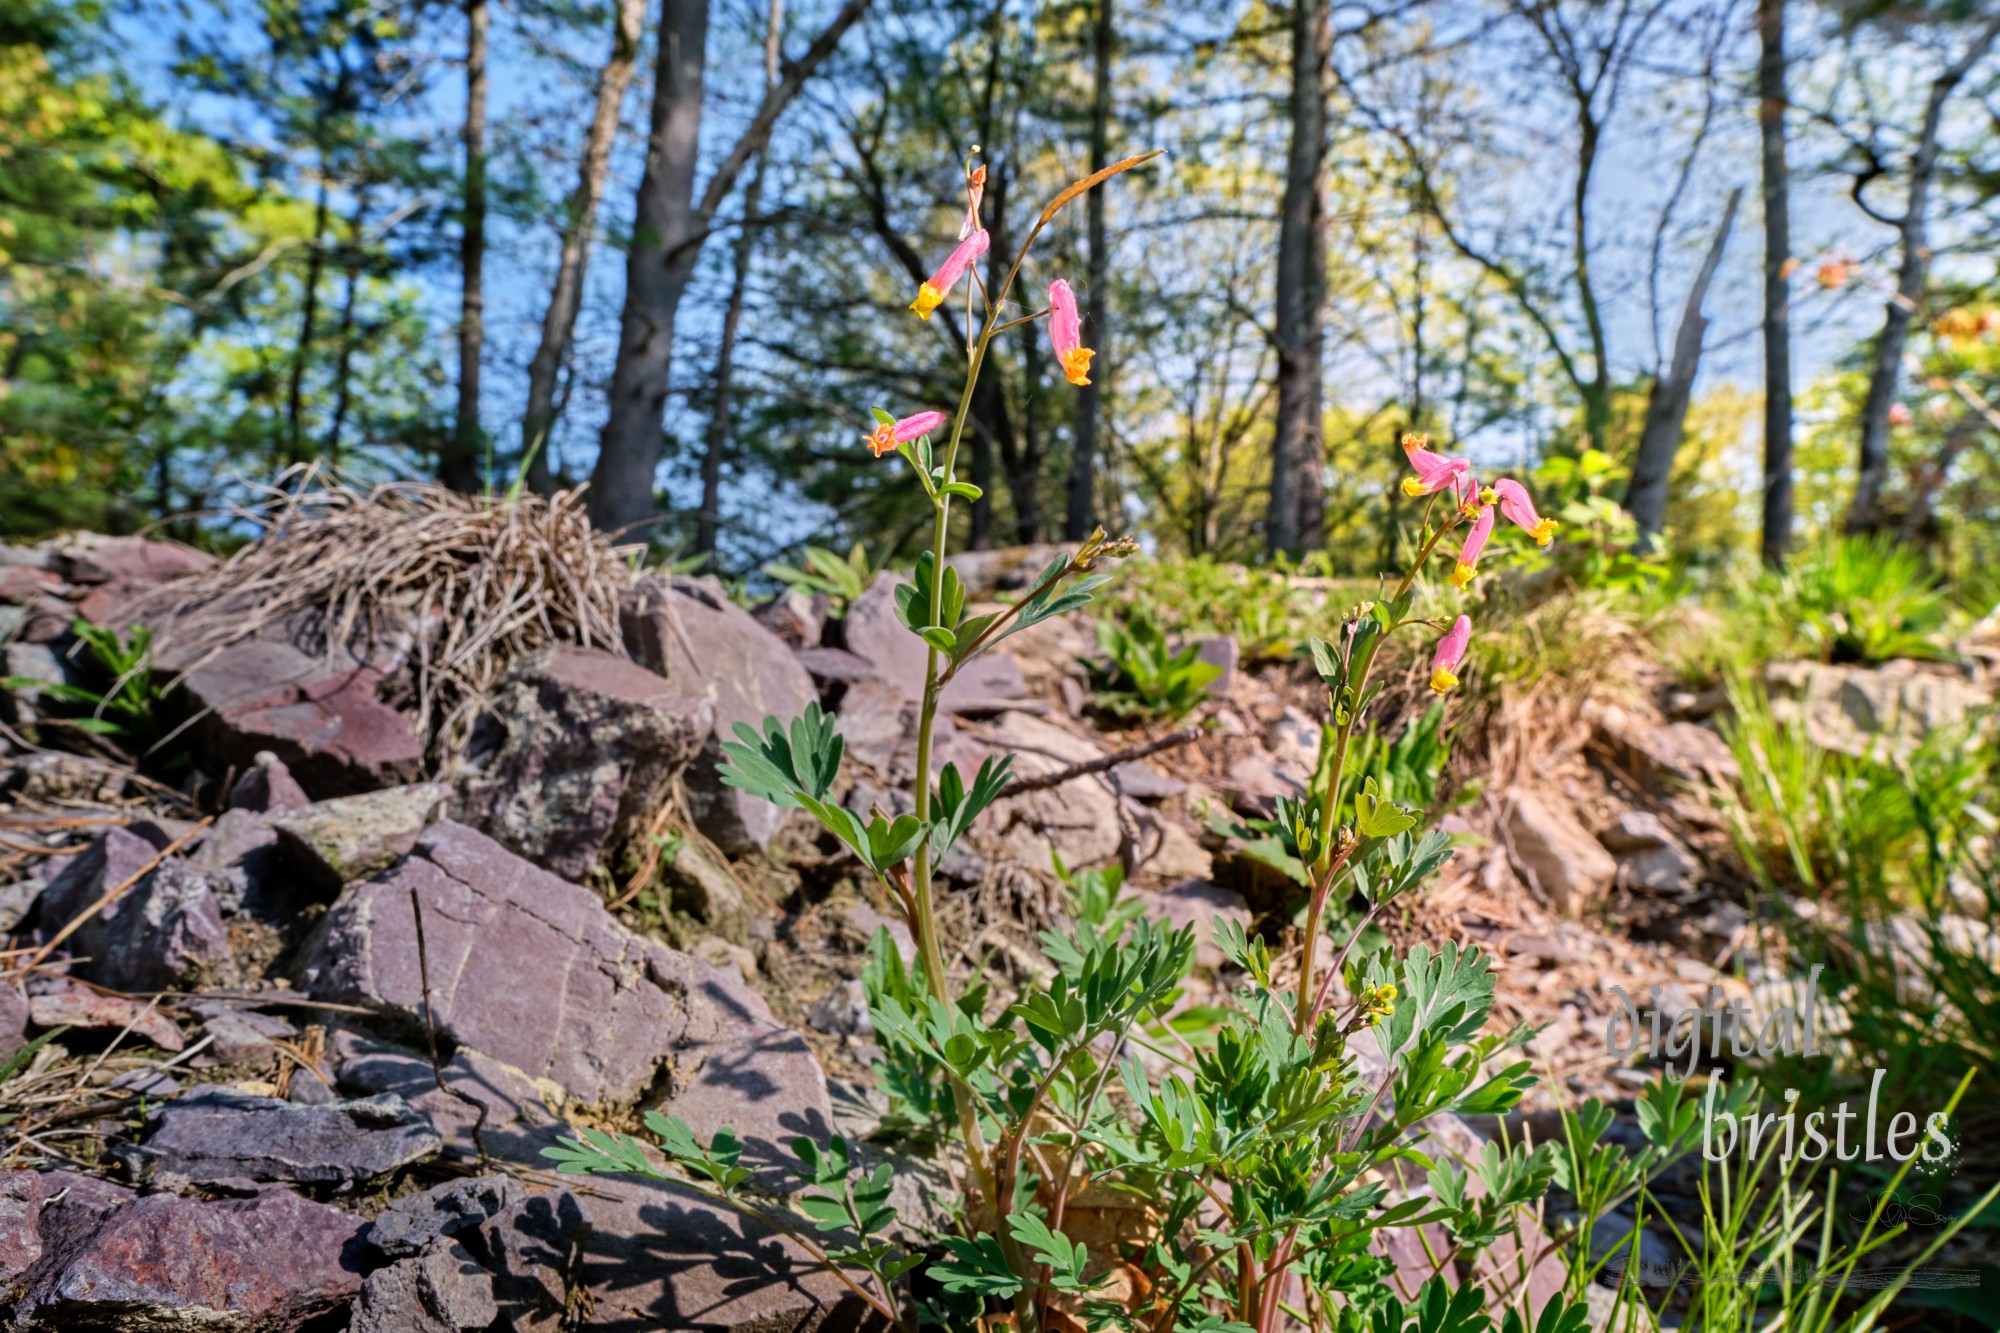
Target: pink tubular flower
1518,508
888,435
1066,332
1450,652
931,295
1475,542
1434,471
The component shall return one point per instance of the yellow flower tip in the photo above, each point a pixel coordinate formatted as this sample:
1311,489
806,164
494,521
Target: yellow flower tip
1545,531
1076,365
928,299
1443,682
1412,487
1389,991
1463,575
1488,496
883,441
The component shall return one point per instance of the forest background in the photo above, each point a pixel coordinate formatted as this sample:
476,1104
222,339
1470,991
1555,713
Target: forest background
1723,269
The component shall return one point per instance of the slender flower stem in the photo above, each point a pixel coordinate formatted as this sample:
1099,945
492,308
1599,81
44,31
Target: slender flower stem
1324,876
925,924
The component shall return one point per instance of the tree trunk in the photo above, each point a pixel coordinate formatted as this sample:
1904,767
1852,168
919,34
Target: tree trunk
460,466
666,243
708,520
1865,514
1667,407
295,390
1080,516
343,391
566,297
1597,390
657,268
1772,102
1935,471
1296,520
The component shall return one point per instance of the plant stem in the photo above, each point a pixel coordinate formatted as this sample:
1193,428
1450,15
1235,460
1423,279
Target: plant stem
925,924
1324,870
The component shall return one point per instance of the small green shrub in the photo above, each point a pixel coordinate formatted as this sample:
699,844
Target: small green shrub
1885,849
1597,550
1271,611
1140,674
127,709
842,579
1855,599
1408,769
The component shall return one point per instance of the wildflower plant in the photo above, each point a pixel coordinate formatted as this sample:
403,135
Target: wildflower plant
1257,1151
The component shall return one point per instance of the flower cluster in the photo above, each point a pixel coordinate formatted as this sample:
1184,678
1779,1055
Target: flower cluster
1065,321
1435,474
1377,1003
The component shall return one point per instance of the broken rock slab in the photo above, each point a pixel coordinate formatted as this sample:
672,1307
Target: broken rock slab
657,1257
443,1290
163,931
1077,820
1885,710
92,559
533,972
13,1019
873,632
1559,855
48,1211
353,837
55,1002
249,871
1650,857
517,1122
647,1256
240,1035
164,1264
268,788
1198,904
410,1225
1666,756
690,633
326,722
215,1134
576,753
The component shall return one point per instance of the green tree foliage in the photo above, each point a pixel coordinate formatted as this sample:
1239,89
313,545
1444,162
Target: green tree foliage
149,271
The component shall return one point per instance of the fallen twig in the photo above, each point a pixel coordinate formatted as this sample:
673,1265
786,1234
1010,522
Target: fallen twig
111,895
430,1032
1172,740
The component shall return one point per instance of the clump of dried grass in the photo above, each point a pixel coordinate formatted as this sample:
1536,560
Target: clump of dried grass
463,584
